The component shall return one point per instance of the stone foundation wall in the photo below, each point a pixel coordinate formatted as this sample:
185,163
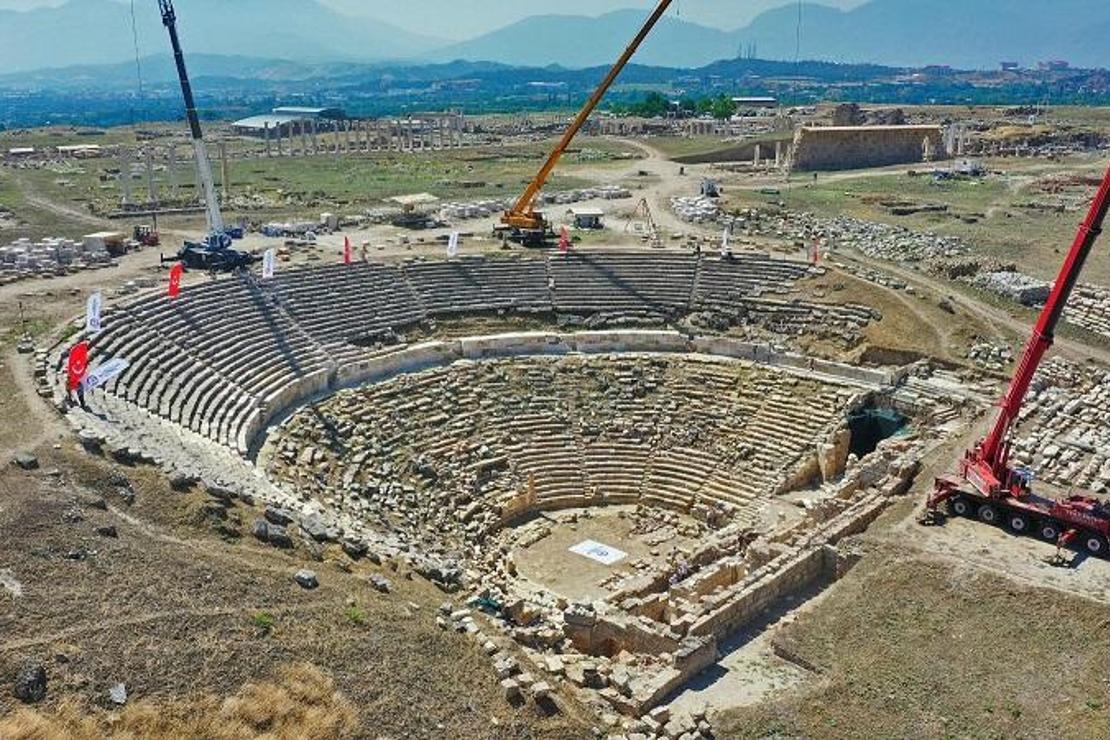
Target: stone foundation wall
856,147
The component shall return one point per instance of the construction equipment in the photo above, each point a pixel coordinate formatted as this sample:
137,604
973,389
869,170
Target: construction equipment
146,236
987,485
523,223
643,210
214,253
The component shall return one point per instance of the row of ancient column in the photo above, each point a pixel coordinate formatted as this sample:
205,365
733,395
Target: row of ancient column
310,136
782,157
172,174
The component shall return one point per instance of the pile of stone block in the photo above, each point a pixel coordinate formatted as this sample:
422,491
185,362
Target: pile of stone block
697,210
1064,430
1024,289
1089,308
52,256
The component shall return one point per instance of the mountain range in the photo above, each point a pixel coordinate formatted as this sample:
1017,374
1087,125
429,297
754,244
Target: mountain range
960,33
100,31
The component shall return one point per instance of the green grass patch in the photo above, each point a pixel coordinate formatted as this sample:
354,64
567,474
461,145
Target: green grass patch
264,622
357,616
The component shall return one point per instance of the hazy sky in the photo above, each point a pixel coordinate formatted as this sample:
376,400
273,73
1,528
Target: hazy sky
458,19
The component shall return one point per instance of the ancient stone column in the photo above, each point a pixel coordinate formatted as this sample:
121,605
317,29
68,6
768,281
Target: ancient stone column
758,156
302,125
312,135
171,168
225,170
125,177
148,158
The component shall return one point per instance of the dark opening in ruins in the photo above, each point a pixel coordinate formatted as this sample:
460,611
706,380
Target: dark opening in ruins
870,426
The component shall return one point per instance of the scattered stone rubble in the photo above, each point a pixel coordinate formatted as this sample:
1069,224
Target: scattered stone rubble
453,460
1089,308
876,240
697,210
23,259
1023,289
1064,428
996,358
464,211
945,256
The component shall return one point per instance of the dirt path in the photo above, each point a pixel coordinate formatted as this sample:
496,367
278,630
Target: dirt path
36,200
135,620
666,183
1004,325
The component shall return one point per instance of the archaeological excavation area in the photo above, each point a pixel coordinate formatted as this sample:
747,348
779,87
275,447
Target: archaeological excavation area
601,458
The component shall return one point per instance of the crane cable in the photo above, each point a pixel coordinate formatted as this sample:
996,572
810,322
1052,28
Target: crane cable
135,44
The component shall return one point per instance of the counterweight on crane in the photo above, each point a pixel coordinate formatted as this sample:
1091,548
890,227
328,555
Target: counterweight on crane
523,221
987,485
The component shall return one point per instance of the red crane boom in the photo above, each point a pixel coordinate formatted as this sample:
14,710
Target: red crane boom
999,492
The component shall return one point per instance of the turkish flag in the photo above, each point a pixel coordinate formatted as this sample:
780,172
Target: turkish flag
78,364
346,250
175,279
564,240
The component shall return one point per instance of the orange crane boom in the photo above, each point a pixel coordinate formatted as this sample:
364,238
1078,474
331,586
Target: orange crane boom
523,216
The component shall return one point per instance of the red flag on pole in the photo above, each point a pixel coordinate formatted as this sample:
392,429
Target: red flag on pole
564,241
78,364
346,250
175,279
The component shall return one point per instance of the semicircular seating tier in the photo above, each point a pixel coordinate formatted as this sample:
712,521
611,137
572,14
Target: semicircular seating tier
465,448
227,354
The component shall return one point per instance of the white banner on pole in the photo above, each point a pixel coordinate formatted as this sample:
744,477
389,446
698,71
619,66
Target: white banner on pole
92,314
453,245
105,372
268,264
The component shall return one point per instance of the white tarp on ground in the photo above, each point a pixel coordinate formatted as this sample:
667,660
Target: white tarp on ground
601,553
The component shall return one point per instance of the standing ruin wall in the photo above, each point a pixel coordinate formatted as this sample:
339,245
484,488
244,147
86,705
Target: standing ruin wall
827,148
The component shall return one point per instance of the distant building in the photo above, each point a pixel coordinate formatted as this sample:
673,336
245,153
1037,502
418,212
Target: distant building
939,70
285,119
755,102
1054,65
332,114
829,148
587,218
1010,66
80,151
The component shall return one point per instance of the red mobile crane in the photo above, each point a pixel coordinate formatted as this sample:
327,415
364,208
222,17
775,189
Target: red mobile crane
523,222
987,485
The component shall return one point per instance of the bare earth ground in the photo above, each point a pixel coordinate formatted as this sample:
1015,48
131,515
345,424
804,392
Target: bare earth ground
915,647
175,611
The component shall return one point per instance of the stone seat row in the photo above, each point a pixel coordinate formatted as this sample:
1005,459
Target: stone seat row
213,356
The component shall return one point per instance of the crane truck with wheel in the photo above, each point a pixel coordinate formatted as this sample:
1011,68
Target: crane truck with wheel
214,253
523,223
987,485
